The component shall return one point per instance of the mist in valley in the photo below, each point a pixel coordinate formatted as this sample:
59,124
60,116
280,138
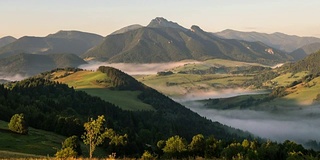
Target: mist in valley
136,69
297,124
9,77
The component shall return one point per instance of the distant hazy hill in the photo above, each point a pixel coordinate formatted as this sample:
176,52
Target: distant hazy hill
74,42
164,41
31,64
128,28
305,51
6,40
277,40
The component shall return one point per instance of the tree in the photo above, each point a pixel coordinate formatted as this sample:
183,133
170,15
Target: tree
72,142
175,146
66,153
18,124
197,145
95,134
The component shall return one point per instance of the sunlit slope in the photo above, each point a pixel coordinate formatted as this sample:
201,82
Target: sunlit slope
98,84
180,84
202,76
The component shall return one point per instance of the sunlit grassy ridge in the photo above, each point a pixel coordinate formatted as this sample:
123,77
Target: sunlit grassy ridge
97,83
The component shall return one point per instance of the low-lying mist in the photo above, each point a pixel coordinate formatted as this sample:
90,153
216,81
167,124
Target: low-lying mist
219,93
136,69
300,125
16,77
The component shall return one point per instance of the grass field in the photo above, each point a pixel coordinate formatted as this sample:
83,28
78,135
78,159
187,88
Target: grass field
176,85
288,78
87,81
212,63
127,100
36,144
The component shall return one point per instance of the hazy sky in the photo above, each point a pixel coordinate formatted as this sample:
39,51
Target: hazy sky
42,17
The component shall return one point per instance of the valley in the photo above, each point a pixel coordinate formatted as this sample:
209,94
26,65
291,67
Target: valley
231,94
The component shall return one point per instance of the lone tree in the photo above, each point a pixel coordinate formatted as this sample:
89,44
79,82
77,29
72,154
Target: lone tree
18,124
95,134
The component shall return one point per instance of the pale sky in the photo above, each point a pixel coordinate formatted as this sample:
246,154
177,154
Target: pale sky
43,17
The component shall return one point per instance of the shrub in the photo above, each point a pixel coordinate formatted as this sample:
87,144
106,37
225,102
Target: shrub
18,124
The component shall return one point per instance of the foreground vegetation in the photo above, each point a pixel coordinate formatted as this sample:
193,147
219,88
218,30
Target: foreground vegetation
55,107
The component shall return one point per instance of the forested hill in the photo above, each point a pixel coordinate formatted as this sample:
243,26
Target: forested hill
310,63
56,107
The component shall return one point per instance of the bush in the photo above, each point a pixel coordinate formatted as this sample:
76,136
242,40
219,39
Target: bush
66,153
73,143
18,124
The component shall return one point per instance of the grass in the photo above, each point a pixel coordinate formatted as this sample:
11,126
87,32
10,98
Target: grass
304,93
179,84
36,144
87,81
127,100
288,78
211,63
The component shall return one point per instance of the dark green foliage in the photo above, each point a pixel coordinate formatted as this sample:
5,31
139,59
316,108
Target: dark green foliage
120,80
74,143
18,124
229,150
231,70
164,73
262,77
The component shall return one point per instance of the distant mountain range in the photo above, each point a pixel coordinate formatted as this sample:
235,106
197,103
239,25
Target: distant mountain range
277,40
165,41
31,64
74,42
6,40
306,50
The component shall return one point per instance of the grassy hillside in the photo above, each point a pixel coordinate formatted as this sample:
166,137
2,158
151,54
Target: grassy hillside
98,84
205,76
37,144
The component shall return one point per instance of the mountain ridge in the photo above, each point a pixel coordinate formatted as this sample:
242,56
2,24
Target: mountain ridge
74,42
165,41
277,40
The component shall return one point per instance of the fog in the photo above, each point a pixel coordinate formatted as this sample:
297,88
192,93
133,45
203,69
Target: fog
220,93
16,77
299,125
136,69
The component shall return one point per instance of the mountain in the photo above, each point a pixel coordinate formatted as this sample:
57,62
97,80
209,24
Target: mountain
277,40
305,51
6,40
165,41
128,28
31,64
74,42
160,22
